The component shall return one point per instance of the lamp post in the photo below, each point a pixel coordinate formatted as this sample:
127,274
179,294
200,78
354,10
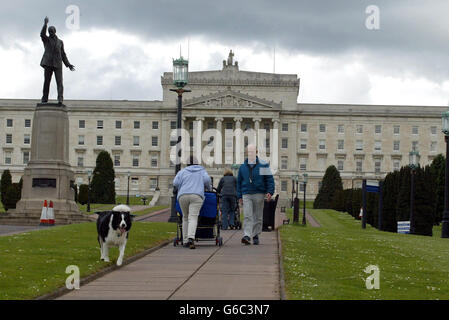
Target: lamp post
445,221
295,178
293,190
127,192
413,164
304,181
89,175
235,167
180,80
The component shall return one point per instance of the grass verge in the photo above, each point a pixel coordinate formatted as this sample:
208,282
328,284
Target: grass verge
329,262
34,263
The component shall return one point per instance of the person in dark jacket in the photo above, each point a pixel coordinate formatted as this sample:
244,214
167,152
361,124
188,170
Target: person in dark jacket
227,189
254,182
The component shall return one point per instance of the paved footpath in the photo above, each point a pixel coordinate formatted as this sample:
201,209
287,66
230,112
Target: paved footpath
233,271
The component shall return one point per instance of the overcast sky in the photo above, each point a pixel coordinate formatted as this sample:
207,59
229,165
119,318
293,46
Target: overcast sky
122,48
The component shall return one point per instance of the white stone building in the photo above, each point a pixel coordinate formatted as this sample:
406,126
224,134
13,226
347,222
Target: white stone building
362,141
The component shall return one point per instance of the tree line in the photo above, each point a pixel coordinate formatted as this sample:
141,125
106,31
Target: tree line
396,188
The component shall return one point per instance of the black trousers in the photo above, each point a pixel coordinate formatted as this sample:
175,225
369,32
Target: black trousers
48,72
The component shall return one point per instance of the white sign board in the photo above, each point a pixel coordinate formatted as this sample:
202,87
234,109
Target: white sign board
373,183
403,226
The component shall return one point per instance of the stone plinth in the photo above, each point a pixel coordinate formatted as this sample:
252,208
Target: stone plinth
48,175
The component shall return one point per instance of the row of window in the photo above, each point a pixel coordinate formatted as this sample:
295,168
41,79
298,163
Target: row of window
340,164
26,138
359,128
118,141
8,157
117,161
358,145
118,124
134,182
10,123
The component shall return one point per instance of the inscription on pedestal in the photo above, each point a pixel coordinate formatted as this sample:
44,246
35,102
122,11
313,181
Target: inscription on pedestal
44,183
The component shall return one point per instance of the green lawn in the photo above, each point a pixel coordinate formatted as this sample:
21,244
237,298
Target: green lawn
34,263
329,262
149,210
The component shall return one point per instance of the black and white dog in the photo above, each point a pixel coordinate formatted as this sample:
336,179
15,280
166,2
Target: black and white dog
113,228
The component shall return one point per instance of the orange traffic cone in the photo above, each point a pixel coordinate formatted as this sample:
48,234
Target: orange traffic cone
44,217
51,214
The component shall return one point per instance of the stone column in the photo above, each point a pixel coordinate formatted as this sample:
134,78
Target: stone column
239,147
218,142
197,138
274,146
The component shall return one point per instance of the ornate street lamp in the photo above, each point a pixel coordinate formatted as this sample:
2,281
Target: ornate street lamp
180,80
295,178
445,221
304,181
89,175
127,192
413,164
235,169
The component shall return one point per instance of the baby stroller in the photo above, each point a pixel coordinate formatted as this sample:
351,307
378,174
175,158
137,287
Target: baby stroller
208,228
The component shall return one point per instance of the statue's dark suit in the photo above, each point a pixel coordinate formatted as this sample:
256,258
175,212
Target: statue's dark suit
51,61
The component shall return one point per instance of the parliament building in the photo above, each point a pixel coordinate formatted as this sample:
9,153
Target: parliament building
362,141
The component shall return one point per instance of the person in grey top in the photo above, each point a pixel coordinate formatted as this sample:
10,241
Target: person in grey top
227,189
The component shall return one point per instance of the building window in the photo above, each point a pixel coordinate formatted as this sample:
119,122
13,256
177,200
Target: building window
99,140
154,161
433,130
26,157
267,144
118,124
173,142
135,160
322,128
377,165
81,140
136,124
377,145
414,145
229,126
303,144
266,126
8,157
134,181
340,165
80,162
433,146
358,165
396,145
396,130
117,160
190,125
301,187
154,141
341,144
322,144
284,162
153,183
210,125
377,129
26,139
81,124
8,138
99,124
415,130
285,127
9,123
284,143
303,164
341,128
118,140
303,127
359,128
27,123
155,125
136,141
191,142
359,145
284,185
396,165
173,125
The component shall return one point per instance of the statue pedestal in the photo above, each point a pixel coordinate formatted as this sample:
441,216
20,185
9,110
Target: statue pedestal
48,175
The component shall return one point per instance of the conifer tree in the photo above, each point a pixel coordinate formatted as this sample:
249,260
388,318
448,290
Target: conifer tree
330,185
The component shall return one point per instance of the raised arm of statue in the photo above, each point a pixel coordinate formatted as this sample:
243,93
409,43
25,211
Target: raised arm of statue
44,36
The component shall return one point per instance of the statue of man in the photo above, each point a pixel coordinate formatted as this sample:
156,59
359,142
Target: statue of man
52,60
230,58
